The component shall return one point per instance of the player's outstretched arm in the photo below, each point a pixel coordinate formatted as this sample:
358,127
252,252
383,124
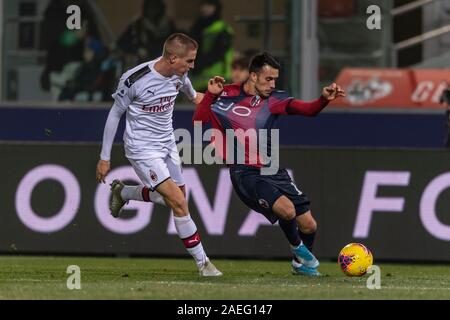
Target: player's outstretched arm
104,164
313,108
203,110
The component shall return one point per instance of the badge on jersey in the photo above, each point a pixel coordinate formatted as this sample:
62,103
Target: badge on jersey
263,203
255,101
121,93
178,85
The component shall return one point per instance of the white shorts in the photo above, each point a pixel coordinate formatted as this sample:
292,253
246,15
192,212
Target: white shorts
160,166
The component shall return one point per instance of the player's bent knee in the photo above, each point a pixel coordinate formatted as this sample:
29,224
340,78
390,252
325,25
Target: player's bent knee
309,226
284,209
289,214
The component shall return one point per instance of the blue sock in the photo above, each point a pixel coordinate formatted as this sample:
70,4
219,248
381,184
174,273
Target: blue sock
290,231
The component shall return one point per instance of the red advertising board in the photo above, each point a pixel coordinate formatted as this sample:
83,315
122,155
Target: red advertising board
392,88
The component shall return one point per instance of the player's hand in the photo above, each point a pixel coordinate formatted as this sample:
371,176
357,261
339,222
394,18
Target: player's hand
103,168
333,92
215,85
198,98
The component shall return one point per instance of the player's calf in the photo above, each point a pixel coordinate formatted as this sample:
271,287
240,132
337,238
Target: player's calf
307,227
186,228
306,230
141,193
174,197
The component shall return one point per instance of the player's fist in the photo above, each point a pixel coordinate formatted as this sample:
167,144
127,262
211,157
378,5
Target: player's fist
103,168
333,92
215,85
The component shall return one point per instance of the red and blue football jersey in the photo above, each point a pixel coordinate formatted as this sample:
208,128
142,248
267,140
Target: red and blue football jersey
249,117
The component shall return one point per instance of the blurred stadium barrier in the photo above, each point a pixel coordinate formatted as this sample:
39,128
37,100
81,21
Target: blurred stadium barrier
395,201
407,89
334,127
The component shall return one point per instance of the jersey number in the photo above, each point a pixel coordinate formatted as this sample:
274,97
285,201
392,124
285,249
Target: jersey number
295,187
237,110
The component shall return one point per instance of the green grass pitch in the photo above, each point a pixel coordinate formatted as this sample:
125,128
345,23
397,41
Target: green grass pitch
26,277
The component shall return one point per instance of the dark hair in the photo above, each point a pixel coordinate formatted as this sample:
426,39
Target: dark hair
151,4
262,59
240,62
215,3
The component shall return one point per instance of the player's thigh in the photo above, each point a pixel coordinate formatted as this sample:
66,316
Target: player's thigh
306,222
173,196
243,181
151,172
173,163
267,195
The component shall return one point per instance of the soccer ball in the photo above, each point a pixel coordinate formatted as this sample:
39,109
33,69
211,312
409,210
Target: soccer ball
354,259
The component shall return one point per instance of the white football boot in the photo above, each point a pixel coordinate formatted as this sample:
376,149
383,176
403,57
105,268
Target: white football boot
209,270
116,202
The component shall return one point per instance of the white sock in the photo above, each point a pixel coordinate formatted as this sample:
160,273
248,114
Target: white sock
139,192
132,193
187,231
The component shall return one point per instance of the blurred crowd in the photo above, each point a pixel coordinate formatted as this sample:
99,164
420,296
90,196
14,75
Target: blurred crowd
81,66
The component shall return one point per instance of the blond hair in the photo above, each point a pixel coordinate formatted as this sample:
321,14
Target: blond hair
179,44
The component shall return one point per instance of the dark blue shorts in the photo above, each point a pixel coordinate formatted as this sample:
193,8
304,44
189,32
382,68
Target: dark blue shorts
259,192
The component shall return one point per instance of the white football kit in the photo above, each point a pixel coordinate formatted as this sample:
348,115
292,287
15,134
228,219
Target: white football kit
148,99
